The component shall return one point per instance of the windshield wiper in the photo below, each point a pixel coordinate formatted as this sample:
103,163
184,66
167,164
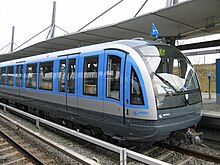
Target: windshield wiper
172,87
165,82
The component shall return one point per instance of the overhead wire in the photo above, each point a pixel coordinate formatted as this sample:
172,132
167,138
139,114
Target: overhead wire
100,15
32,38
140,9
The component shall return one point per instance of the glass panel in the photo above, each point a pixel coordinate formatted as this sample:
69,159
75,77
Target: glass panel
173,76
62,73
113,77
3,76
19,75
136,96
71,76
90,76
46,76
31,75
171,70
10,75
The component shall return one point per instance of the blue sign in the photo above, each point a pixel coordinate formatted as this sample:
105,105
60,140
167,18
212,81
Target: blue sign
154,31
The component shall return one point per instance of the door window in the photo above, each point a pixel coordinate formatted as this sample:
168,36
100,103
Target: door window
31,75
90,81
3,76
113,77
46,75
19,75
71,75
10,76
136,95
62,73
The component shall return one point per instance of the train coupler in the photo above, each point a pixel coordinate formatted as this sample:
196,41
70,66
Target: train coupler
193,137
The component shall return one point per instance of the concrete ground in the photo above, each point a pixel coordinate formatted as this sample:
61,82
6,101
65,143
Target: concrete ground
210,107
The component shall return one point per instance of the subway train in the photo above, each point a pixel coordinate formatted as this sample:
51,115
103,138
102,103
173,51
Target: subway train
128,90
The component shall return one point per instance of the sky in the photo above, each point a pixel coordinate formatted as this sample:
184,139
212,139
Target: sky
32,16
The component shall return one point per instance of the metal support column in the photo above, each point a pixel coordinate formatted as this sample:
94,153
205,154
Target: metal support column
38,123
12,39
172,2
209,83
169,40
52,30
4,108
172,41
123,156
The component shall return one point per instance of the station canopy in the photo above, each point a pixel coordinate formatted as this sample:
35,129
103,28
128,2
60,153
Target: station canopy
189,19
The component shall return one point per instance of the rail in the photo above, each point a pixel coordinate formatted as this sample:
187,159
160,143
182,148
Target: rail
195,153
23,150
124,153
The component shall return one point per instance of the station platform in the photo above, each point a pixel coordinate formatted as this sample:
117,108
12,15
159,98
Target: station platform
210,122
210,107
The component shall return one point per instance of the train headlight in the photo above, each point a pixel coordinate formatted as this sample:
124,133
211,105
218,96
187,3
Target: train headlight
160,101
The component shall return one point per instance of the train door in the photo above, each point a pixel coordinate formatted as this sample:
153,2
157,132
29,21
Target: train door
71,84
67,82
114,86
136,101
90,80
19,78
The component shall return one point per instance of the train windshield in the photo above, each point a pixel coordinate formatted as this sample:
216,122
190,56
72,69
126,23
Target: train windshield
172,74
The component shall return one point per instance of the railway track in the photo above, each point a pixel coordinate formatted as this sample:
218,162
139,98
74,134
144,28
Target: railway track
182,155
11,152
33,148
191,153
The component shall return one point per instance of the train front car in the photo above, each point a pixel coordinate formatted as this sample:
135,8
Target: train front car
176,90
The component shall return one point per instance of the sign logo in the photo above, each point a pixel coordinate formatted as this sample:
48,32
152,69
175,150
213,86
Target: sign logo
164,115
162,52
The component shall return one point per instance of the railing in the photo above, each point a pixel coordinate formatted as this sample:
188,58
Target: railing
124,153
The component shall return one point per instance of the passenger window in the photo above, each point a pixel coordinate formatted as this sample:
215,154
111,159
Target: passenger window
113,77
3,76
46,75
31,74
19,75
62,74
90,80
71,76
10,76
136,96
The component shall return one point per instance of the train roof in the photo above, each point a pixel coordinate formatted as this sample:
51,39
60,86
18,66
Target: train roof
123,44
137,42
